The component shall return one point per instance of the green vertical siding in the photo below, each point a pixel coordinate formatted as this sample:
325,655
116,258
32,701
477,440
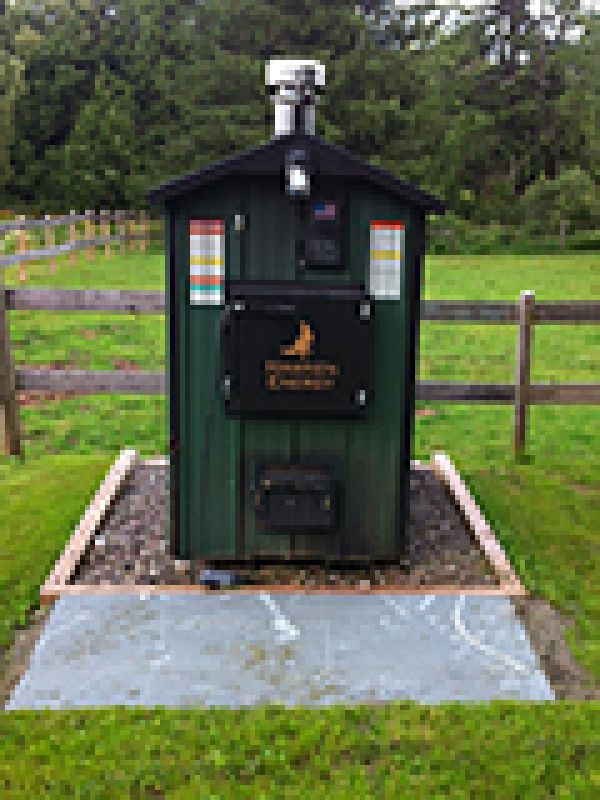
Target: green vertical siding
269,255
209,438
183,489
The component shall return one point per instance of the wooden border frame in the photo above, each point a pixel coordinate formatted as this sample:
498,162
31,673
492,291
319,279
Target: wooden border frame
57,584
142,589
77,545
490,546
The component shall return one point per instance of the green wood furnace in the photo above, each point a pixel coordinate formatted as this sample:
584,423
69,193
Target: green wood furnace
293,288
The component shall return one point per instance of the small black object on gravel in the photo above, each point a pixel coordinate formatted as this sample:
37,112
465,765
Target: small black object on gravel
221,579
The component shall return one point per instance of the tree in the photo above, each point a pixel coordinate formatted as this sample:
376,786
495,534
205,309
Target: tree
58,78
569,201
156,88
579,105
263,29
10,84
101,158
411,24
17,39
527,55
148,45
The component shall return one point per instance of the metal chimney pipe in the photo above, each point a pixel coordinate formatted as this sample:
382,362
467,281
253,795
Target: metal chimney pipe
293,84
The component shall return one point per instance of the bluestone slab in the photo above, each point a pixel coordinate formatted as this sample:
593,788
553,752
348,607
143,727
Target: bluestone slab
231,649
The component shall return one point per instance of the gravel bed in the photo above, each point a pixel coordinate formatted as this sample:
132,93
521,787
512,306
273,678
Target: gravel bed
131,546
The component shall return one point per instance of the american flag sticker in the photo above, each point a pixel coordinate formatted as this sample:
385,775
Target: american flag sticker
386,258
207,262
324,211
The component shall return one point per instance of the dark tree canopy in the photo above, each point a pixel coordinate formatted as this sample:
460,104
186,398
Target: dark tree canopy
101,100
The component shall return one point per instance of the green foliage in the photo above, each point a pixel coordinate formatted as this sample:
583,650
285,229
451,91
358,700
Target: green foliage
114,98
262,29
452,234
17,40
571,198
101,149
10,82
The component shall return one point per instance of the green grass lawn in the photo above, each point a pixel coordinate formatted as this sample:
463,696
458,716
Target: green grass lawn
40,501
502,750
545,508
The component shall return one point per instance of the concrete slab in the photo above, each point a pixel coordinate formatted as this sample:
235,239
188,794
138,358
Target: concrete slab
227,649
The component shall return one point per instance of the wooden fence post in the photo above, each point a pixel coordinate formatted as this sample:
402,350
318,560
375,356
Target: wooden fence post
132,232
122,231
87,233
105,228
90,233
10,429
49,241
143,231
22,247
523,372
73,254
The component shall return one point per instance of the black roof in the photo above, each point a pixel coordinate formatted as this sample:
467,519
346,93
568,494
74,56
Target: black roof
269,159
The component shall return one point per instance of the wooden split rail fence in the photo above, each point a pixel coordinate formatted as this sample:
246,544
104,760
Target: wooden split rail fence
525,313
130,228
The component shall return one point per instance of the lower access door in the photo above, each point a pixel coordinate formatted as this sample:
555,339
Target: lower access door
296,496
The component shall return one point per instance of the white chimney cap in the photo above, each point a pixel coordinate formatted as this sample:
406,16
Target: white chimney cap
285,70
294,84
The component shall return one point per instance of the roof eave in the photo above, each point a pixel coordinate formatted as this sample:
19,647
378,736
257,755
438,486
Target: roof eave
229,166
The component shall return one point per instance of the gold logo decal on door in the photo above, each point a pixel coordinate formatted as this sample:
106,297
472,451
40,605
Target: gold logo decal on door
302,374
302,345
